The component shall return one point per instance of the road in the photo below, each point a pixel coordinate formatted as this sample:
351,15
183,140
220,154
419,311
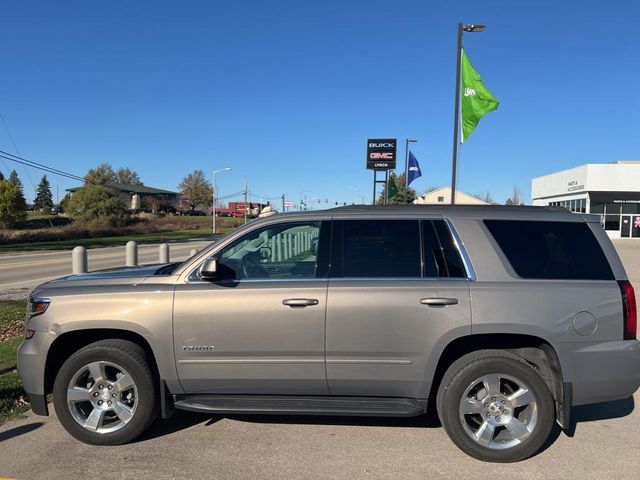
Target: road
604,444
25,271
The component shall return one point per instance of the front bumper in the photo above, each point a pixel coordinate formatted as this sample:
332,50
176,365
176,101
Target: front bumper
31,368
602,371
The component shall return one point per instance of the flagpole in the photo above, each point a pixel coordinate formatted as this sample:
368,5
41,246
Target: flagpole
456,117
406,162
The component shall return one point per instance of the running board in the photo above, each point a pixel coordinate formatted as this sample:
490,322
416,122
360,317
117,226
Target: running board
302,405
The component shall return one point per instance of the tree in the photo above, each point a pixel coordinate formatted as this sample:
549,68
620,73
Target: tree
127,177
485,197
404,196
515,198
64,203
96,204
44,199
12,206
101,175
15,180
1,176
195,190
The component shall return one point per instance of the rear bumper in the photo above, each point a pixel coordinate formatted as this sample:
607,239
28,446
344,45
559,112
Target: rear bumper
600,372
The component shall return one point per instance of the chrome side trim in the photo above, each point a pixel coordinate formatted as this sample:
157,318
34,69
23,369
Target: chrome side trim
253,361
367,361
471,273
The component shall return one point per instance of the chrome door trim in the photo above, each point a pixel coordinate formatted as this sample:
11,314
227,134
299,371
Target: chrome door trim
471,273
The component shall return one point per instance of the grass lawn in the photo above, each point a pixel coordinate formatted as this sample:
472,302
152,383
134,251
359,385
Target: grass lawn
12,396
106,241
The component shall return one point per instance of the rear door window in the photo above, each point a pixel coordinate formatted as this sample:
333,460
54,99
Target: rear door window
377,248
551,250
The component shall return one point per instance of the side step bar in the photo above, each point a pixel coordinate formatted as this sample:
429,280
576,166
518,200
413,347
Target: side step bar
302,405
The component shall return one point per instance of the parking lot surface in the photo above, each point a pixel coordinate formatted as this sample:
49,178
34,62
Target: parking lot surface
604,444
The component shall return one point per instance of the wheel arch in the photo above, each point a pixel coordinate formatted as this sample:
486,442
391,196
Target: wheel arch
536,351
70,342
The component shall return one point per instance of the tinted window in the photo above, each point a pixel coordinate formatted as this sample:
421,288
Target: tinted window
551,250
379,248
441,257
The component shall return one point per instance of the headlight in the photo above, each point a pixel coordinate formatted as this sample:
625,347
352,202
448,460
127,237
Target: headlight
37,306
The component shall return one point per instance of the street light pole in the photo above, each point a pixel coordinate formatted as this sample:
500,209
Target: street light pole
214,194
456,115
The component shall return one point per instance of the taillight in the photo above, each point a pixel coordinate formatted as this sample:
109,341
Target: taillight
629,313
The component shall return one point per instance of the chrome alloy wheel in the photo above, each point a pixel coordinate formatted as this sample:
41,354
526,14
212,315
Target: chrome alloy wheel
498,411
102,397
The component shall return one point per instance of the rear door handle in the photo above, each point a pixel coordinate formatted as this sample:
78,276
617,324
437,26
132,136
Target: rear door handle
300,302
439,301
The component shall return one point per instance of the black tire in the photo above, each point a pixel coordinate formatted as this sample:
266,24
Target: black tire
133,359
460,377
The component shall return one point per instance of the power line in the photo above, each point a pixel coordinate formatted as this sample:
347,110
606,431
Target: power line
39,166
15,147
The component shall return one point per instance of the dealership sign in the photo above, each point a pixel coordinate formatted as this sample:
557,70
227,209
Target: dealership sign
381,153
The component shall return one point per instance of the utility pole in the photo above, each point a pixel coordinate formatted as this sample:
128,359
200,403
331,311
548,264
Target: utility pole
283,207
246,205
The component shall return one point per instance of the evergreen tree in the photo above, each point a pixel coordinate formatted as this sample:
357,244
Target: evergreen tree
14,179
44,199
401,195
1,176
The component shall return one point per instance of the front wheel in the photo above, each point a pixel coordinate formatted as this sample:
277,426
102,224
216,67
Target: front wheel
105,393
495,406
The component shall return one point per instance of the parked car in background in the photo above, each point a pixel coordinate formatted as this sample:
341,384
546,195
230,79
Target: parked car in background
194,213
500,318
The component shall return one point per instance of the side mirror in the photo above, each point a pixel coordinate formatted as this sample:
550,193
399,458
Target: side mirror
209,269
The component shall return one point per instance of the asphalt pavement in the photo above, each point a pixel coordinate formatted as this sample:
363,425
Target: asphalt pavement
23,271
604,444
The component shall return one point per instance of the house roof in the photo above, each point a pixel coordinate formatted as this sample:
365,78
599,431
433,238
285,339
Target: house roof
139,189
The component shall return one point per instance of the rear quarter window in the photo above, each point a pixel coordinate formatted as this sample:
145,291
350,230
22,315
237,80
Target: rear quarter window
551,250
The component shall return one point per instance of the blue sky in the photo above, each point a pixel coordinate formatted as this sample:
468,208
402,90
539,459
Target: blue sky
286,93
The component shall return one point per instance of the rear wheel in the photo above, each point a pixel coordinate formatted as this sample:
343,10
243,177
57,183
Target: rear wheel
105,393
495,406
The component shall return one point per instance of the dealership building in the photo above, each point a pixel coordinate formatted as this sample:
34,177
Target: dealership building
611,190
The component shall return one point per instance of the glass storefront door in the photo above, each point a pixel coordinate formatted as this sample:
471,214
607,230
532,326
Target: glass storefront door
630,226
625,227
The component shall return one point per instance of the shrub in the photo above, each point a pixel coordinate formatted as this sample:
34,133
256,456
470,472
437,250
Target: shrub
12,208
95,204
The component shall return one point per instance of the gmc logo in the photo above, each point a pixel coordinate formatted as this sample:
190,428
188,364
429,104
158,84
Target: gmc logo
381,156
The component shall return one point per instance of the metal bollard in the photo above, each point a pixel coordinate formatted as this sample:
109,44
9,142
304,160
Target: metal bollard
131,254
164,253
79,263
193,252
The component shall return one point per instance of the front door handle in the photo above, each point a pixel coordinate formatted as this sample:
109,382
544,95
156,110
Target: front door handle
439,301
300,302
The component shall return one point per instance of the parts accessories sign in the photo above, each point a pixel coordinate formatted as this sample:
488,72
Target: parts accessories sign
381,153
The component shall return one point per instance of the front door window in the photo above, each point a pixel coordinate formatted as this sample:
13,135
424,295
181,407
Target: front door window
283,251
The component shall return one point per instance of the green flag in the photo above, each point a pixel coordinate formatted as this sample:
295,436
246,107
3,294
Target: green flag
393,188
476,101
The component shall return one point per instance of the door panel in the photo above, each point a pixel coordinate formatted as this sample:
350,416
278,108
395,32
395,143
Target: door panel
258,329
380,336
260,346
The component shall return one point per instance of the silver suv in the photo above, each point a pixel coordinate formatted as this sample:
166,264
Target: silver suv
500,318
